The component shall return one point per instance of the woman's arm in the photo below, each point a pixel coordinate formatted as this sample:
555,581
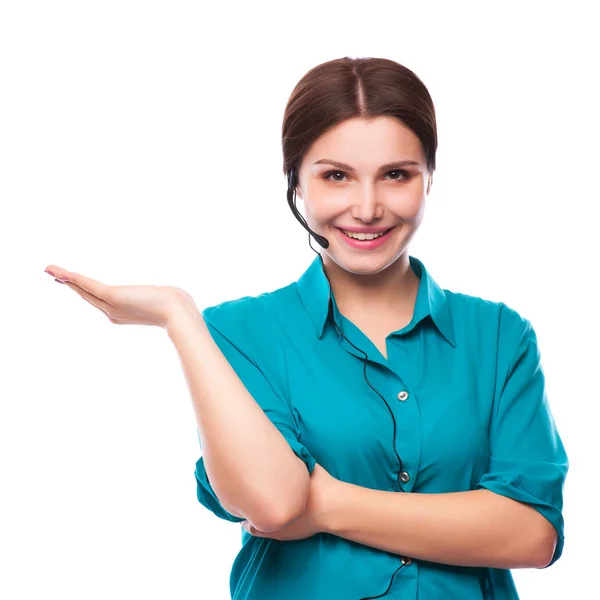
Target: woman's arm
516,520
472,528
251,466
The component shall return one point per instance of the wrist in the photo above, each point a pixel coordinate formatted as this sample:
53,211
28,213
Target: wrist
180,317
331,500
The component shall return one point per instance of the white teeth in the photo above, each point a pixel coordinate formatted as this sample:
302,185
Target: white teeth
363,236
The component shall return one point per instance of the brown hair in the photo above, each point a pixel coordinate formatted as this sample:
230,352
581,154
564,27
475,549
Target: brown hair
355,87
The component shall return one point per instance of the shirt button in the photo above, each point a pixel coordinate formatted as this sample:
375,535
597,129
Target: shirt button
406,560
403,395
404,476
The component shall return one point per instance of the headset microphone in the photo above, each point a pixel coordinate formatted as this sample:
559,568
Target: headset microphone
291,196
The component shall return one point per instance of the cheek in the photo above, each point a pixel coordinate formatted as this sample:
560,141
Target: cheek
410,207
321,207
409,203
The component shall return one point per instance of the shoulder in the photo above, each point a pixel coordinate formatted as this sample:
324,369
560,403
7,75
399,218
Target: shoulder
483,317
250,320
247,310
495,333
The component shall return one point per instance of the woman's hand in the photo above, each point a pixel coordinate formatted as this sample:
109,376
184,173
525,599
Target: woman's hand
127,304
315,518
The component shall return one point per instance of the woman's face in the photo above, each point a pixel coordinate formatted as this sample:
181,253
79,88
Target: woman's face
360,191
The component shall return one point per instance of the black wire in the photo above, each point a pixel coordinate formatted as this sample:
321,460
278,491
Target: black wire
323,242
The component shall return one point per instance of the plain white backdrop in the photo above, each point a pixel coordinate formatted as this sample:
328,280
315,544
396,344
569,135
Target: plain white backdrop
140,143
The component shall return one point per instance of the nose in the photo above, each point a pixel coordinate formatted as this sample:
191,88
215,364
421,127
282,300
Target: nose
366,207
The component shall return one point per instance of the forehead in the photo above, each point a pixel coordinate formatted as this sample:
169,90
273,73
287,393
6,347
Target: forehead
359,141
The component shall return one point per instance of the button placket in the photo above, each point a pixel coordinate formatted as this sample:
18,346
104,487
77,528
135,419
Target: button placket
404,477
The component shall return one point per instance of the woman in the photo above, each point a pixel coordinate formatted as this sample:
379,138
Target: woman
321,404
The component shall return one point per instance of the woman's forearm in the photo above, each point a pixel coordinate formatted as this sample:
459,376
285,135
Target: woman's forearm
250,465
471,528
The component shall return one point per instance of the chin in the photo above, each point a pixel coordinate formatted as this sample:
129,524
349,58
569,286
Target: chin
363,265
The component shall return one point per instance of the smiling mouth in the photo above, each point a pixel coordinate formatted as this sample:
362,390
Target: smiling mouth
379,234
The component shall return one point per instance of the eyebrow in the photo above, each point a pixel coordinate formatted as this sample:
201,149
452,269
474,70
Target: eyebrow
393,165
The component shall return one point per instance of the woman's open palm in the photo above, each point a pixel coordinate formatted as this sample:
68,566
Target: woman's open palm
126,304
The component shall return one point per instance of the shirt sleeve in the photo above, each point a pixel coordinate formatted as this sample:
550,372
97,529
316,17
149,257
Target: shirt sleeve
273,405
528,462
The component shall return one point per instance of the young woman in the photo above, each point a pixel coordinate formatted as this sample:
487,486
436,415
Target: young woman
375,435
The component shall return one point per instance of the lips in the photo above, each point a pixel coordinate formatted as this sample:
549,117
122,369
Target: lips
359,230
365,244
380,231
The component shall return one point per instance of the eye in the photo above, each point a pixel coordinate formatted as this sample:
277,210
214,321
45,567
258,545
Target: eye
404,174
330,173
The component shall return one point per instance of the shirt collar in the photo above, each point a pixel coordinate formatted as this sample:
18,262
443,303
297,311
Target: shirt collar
313,289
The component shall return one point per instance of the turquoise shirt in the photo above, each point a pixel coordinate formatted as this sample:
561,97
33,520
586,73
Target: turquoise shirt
465,408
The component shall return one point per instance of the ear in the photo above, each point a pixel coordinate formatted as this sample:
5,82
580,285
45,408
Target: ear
429,182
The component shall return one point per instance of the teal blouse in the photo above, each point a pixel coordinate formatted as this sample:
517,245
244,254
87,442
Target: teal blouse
465,408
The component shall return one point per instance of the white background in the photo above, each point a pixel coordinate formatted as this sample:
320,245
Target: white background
140,143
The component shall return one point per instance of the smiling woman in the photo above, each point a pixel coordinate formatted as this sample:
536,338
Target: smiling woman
413,474
374,434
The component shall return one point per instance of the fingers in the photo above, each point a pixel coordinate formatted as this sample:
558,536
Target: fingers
93,300
89,286
85,284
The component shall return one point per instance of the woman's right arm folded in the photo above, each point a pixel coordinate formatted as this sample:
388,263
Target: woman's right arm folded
253,466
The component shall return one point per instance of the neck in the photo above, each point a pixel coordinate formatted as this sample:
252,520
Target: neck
391,291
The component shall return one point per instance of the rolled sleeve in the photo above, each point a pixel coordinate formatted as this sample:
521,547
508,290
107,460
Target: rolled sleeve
528,461
258,385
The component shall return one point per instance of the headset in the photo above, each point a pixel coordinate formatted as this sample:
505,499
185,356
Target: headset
323,242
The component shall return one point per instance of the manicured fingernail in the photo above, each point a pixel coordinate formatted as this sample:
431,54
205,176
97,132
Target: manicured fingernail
60,280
